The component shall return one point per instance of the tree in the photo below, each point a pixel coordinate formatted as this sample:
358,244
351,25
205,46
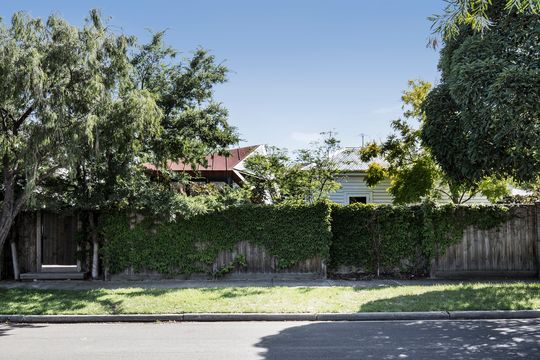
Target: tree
320,167
194,124
413,172
55,77
483,119
95,106
477,14
310,177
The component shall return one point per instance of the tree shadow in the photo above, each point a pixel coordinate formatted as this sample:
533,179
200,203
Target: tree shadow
225,293
38,302
6,328
466,297
508,339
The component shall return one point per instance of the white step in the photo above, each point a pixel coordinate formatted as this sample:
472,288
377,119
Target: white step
59,268
53,276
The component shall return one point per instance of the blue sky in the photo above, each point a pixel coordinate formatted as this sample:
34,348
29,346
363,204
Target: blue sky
298,67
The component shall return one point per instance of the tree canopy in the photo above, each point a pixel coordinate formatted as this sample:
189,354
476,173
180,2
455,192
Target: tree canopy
410,166
477,15
483,119
82,108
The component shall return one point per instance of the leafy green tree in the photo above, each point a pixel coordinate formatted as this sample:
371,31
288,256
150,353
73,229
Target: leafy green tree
477,14
483,119
86,108
320,168
413,172
310,177
194,124
55,78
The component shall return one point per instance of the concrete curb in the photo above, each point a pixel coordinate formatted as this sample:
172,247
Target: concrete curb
372,316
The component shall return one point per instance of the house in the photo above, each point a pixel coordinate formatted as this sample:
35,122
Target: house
219,169
352,172
355,190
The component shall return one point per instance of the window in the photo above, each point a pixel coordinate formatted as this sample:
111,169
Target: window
357,199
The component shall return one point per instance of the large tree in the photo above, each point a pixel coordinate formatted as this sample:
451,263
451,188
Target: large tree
194,124
55,77
165,110
82,109
483,119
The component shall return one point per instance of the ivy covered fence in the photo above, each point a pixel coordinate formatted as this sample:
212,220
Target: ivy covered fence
364,239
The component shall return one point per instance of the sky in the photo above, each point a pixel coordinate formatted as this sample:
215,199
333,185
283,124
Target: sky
298,67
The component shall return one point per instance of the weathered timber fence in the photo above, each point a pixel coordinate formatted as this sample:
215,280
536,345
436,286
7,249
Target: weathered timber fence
258,265
511,249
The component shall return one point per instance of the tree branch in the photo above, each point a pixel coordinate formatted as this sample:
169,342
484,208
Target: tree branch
21,119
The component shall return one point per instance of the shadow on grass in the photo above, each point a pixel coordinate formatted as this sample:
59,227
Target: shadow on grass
222,293
508,339
36,302
466,297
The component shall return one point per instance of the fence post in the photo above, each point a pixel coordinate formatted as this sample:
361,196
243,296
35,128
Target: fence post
537,235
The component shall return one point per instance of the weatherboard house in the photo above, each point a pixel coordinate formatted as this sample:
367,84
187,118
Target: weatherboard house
352,175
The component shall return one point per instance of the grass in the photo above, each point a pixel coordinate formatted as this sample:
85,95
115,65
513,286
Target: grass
478,296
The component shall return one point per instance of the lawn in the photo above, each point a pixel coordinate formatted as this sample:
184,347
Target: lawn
478,296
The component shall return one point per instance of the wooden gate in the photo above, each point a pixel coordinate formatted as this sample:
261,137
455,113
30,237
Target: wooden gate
58,242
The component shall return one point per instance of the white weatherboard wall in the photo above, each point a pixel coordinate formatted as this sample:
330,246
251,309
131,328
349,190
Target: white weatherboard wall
354,185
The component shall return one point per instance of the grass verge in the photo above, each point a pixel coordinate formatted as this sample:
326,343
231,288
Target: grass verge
478,296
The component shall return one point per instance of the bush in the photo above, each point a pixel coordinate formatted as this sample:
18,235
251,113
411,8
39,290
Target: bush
186,246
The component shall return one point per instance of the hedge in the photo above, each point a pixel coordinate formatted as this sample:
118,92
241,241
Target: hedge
373,239
390,239
290,233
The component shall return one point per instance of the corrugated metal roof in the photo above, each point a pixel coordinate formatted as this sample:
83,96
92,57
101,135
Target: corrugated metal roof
348,160
215,162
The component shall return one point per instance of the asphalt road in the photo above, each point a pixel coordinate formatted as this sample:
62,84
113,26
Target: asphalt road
501,339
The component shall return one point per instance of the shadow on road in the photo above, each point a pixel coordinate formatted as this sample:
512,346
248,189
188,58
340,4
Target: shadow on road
510,339
5,328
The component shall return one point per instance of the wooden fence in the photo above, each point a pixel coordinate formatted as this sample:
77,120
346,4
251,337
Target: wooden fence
512,249
259,265
508,250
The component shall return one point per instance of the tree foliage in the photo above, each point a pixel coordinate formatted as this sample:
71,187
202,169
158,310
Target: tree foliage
484,117
55,78
477,15
413,172
194,124
81,110
310,177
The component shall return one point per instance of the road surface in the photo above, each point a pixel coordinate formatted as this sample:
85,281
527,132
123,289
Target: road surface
501,339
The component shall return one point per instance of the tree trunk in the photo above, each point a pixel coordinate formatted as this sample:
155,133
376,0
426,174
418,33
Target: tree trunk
9,209
15,258
95,245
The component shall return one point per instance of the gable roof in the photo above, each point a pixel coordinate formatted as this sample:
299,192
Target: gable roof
215,162
348,160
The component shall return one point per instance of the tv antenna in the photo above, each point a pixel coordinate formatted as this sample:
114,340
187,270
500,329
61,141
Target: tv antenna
362,135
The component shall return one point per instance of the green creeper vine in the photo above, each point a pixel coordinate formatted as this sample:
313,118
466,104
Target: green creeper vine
379,239
238,261
291,233
402,239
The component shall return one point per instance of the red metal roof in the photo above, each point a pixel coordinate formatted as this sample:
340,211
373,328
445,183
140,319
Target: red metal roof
215,162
